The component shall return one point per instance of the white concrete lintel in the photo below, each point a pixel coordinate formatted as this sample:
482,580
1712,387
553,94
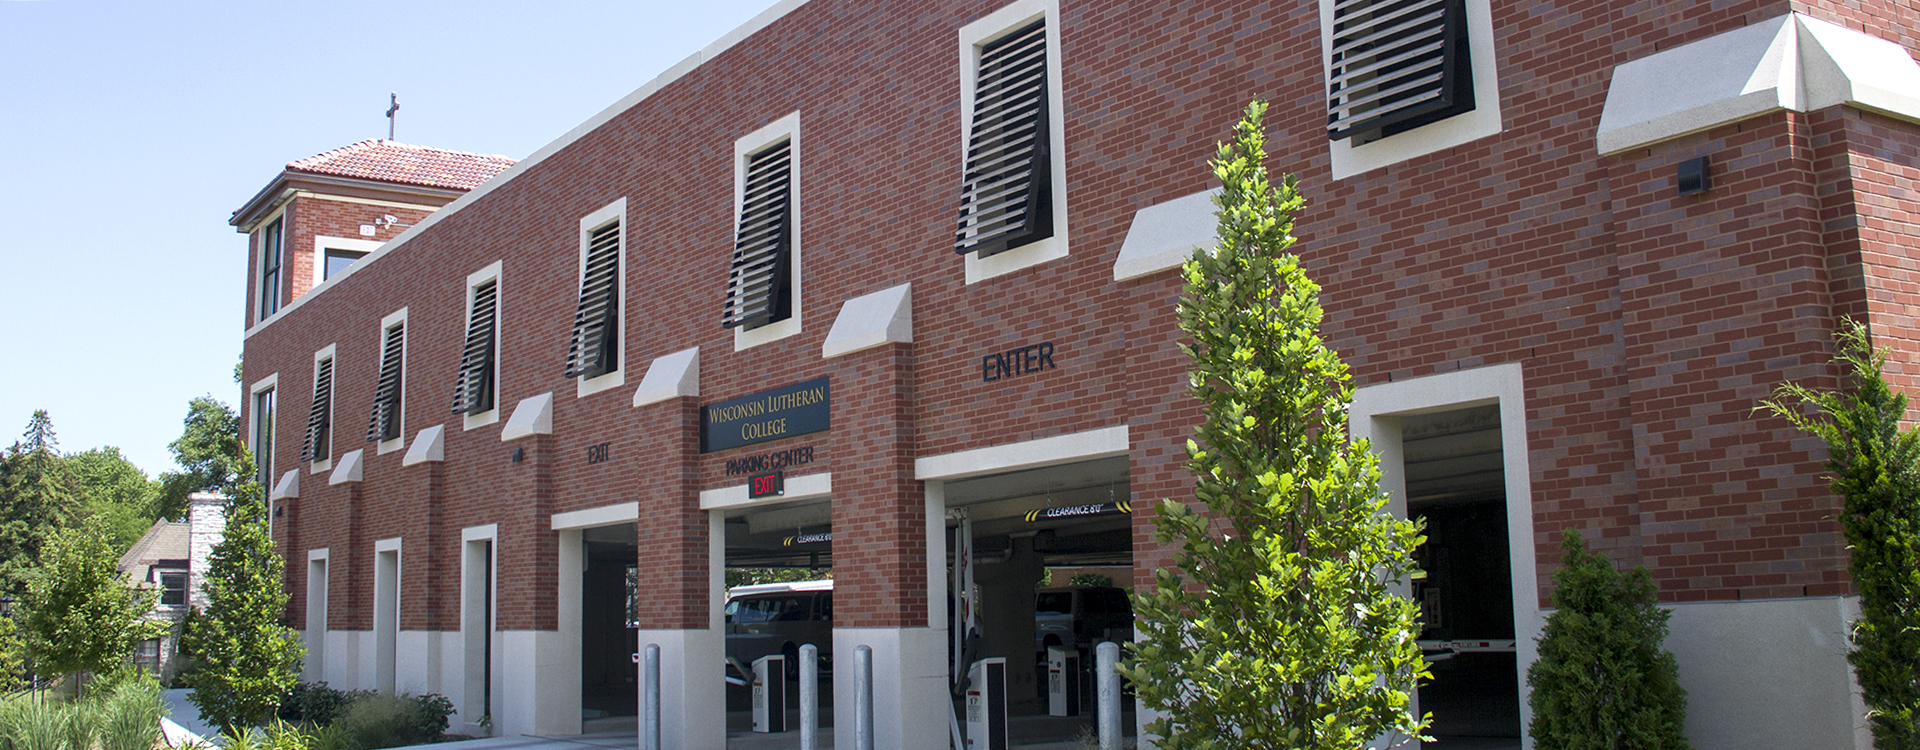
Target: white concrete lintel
288,486
1105,442
804,487
532,416
670,376
605,515
1164,235
871,320
350,467
429,445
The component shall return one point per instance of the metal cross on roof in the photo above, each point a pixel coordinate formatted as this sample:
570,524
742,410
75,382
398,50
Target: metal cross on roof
393,107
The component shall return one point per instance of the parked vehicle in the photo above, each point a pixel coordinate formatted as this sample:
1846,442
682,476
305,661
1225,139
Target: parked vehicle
778,618
1080,617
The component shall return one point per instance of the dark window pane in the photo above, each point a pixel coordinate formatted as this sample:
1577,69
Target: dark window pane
338,260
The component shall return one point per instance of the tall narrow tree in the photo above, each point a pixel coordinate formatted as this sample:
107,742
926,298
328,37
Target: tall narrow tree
1280,627
1876,472
250,661
37,495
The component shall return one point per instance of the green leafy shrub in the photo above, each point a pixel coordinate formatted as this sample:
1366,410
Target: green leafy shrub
1276,625
316,704
1876,473
1603,681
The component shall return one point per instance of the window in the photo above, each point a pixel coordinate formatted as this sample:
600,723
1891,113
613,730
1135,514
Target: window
318,447
262,417
593,355
383,425
173,587
269,292
1396,65
763,283
1006,196
1406,78
758,285
473,389
337,260
1012,212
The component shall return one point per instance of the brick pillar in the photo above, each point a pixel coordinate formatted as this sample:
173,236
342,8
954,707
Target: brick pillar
536,696
675,558
880,543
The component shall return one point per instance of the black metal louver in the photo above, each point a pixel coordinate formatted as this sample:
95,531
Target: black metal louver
319,443
473,388
760,284
384,423
595,349
1006,195
1396,65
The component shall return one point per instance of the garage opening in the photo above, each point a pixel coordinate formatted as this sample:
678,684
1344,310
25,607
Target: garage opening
1456,481
1041,565
779,584
609,617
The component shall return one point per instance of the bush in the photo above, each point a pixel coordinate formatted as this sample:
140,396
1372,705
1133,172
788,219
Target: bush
379,720
316,704
1602,681
129,714
35,725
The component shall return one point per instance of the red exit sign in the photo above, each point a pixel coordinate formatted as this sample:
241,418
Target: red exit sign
770,484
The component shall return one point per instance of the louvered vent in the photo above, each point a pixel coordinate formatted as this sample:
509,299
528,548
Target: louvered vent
384,424
1006,197
1396,65
473,388
595,350
760,285
319,443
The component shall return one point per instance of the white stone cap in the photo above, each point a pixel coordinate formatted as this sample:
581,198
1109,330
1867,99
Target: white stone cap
670,376
349,468
871,320
428,445
533,416
1164,235
1789,62
288,486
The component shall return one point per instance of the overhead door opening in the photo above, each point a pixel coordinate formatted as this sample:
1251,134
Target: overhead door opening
779,599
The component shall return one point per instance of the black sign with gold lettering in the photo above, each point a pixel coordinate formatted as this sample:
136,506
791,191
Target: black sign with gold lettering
768,415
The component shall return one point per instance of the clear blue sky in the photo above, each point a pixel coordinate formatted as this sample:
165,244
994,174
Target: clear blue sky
130,131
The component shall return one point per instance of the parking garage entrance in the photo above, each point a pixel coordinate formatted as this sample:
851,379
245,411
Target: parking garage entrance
1040,566
1456,481
609,612
779,598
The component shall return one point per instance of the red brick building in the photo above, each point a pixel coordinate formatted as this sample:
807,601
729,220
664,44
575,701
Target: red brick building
1566,248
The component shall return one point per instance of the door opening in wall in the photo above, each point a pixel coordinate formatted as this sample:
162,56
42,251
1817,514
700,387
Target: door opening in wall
609,608
386,617
779,597
1041,565
1456,481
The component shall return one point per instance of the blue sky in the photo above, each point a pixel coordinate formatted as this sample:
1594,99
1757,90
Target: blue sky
130,131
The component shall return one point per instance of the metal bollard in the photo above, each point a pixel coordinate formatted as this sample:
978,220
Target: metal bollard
650,706
1106,655
809,695
863,698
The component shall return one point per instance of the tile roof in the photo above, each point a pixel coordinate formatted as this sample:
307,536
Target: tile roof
391,161
165,540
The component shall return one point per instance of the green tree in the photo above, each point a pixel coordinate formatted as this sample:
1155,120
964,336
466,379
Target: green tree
208,452
37,495
1876,473
83,616
1280,628
115,491
13,655
1603,680
250,661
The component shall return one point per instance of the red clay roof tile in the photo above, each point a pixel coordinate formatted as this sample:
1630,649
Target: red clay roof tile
391,161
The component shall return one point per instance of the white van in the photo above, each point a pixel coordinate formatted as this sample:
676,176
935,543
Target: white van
778,618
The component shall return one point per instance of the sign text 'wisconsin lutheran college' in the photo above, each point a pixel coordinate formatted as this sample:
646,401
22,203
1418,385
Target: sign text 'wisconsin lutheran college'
768,415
